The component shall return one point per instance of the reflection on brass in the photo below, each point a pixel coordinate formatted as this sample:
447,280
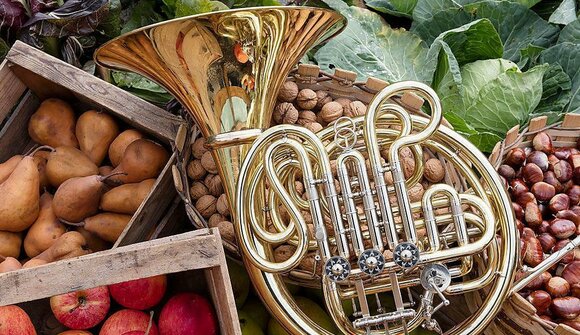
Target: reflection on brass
226,68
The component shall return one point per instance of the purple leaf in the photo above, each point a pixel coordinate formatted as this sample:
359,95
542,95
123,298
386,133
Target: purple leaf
42,5
12,16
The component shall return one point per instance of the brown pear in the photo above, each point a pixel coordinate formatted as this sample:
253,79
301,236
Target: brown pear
105,170
94,242
68,162
69,245
45,230
7,167
143,159
107,226
10,244
43,177
126,199
19,197
53,124
117,148
9,264
95,132
78,198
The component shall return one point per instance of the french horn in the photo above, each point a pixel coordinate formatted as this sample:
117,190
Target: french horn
225,68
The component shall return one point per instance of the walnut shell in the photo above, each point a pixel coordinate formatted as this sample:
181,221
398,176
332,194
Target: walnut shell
416,192
307,99
345,103
310,264
305,117
434,170
285,113
284,252
195,170
198,148
408,165
322,99
214,185
288,92
197,190
331,111
226,229
206,205
355,108
215,219
222,205
208,163
299,186
314,127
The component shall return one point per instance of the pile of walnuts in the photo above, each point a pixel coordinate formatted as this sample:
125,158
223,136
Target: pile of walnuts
313,110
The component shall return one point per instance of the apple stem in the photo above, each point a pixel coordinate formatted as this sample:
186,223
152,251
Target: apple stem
81,301
150,323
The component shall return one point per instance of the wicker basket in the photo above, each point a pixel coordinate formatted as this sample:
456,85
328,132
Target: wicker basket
518,316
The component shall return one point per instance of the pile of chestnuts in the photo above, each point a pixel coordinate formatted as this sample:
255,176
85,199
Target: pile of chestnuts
544,184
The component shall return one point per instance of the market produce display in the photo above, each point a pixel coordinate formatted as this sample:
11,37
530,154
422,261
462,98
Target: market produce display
66,197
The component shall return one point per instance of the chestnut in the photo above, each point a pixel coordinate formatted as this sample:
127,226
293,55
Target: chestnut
550,178
543,191
528,233
562,228
543,227
558,287
569,258
534,253
576,175
566,307
518,210
574,194
539,158
575,290
533,174
532,214
525,198
539,281
523,246
517,187
562,153
552,161
547,241
515,157
559,202
569,215
574,160
508,172
541,300
520,226
563,171
546,318
542,142
572,272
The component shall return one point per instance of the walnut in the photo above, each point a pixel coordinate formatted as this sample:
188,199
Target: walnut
322,99
285,112
331,111
356,108
198,148
195,170
305,117
389,178
215,219
226,229
434,170
208,163
197,190
408,165
284,252
406,153
206,205
307,99
333,168
288,92
337,186
222,205
310,264
299,187
345,103
214,185
314,127
320,120
307,217
284,216
416,192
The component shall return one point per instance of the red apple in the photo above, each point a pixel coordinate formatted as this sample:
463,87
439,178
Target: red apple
82,309
15,321
140,294
187,314
127,320
76,332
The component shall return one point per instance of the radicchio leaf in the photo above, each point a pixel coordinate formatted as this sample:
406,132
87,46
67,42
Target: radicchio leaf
12,16
42,5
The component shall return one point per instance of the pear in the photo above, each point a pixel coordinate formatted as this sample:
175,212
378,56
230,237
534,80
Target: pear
240,282
7,167
68,162
79,197
258,312
107,226
45,230
94,242
70,244
53,124
248,325
143,159
314,312
126,199
43,177
10,244
19,197
117,148
95,131
105,170
9,264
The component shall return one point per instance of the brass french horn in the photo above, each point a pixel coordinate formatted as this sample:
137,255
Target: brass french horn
225,69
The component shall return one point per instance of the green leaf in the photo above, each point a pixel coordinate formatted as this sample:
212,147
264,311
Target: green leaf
565,13
255,3
529,55
111,24
484,141
3,49
191,7
141,86
567,55
517,26
556,93
393,7
571,33
142,15
370,47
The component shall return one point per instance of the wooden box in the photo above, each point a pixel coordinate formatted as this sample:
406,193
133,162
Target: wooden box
28,76
198,250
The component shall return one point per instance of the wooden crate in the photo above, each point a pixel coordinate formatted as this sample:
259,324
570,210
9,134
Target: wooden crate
198,250
28,76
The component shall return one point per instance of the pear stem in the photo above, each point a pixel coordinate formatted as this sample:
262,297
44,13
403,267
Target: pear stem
75,224
42,147
150,323
103,178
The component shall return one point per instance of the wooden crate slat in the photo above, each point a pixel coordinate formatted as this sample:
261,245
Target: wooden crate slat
14,135
12,89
